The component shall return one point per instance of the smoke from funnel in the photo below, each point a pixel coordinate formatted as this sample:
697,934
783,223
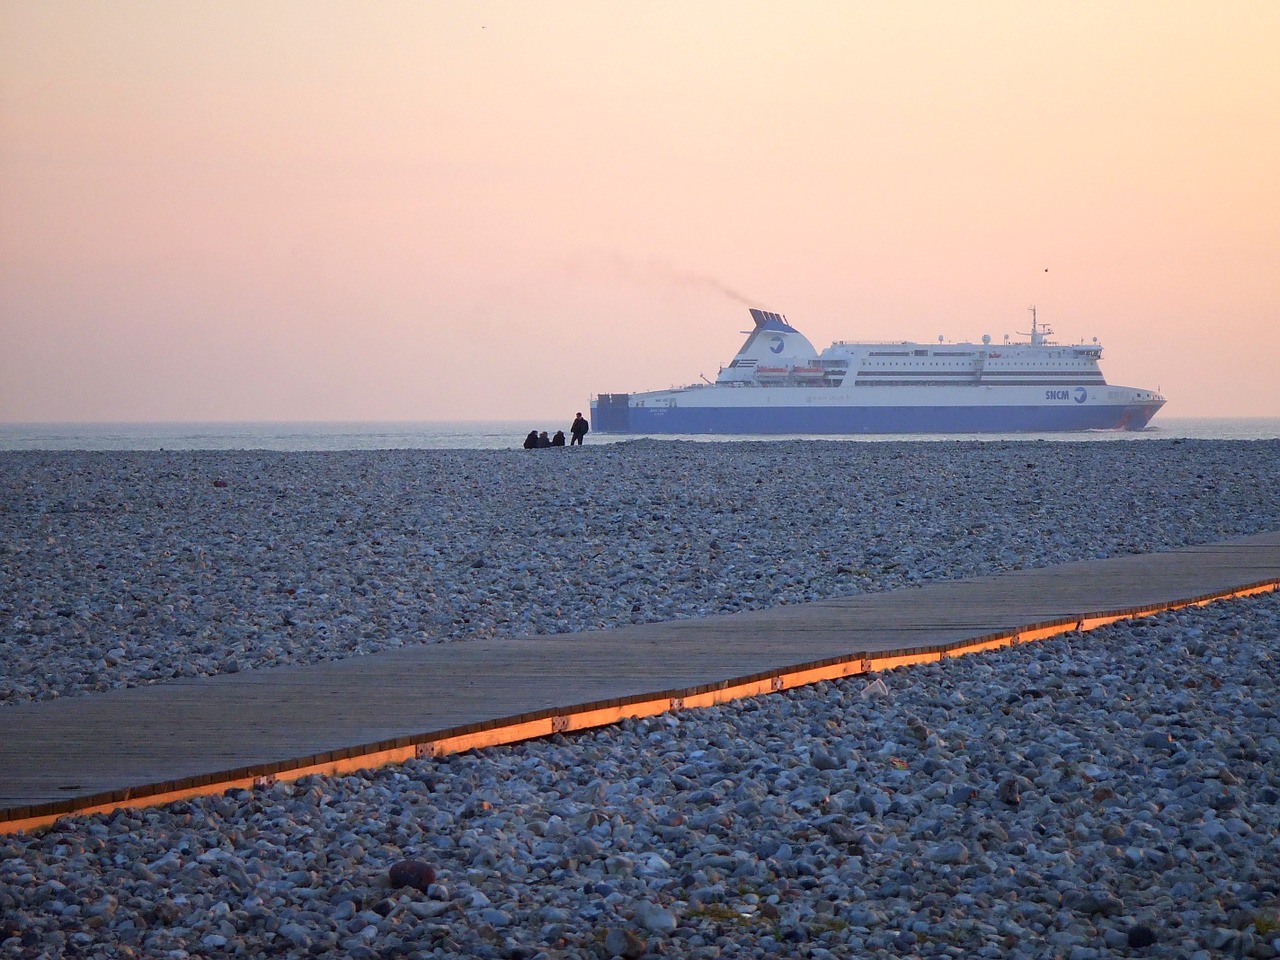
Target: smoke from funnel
714,284
657,271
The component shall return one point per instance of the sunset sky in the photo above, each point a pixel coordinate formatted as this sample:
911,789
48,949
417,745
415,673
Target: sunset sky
435,211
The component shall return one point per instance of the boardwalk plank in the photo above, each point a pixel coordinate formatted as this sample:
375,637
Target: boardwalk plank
77,751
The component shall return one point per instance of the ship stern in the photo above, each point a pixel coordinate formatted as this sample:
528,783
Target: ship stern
611,413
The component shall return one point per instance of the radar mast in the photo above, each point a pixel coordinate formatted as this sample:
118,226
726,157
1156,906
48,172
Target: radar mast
1037,333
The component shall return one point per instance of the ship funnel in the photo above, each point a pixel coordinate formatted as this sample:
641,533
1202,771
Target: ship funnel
774,343
763,317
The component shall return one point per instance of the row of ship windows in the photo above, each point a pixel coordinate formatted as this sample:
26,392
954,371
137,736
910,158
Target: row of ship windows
896,363
951,353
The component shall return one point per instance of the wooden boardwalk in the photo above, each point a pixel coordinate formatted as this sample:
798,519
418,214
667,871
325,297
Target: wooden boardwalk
156,743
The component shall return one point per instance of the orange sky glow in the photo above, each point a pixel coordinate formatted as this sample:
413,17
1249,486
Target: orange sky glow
442,211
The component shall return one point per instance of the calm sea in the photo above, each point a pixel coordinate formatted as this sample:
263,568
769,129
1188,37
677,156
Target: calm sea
500,434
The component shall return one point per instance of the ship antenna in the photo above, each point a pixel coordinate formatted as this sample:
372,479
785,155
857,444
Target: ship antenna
1036,337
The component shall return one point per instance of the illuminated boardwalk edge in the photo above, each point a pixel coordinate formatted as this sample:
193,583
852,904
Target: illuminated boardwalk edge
155,744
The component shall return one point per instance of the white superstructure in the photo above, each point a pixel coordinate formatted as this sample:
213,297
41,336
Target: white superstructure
779,383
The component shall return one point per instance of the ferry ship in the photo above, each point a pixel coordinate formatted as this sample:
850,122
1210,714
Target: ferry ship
779,384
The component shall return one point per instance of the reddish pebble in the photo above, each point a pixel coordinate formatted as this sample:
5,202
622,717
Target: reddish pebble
413,873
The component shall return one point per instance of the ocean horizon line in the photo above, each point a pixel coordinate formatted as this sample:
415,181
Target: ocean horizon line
340,435
362,421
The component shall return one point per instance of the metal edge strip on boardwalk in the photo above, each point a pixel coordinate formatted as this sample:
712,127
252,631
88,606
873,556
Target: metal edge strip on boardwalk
584,716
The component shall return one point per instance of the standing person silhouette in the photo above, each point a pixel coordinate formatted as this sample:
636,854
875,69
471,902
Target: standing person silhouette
579,429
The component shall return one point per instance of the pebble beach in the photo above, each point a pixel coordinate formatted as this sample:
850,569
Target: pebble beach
1111,793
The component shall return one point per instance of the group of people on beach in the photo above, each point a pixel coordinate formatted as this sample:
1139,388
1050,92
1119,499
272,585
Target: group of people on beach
578,429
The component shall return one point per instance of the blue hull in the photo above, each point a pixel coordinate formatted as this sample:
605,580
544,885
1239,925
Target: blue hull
874,419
